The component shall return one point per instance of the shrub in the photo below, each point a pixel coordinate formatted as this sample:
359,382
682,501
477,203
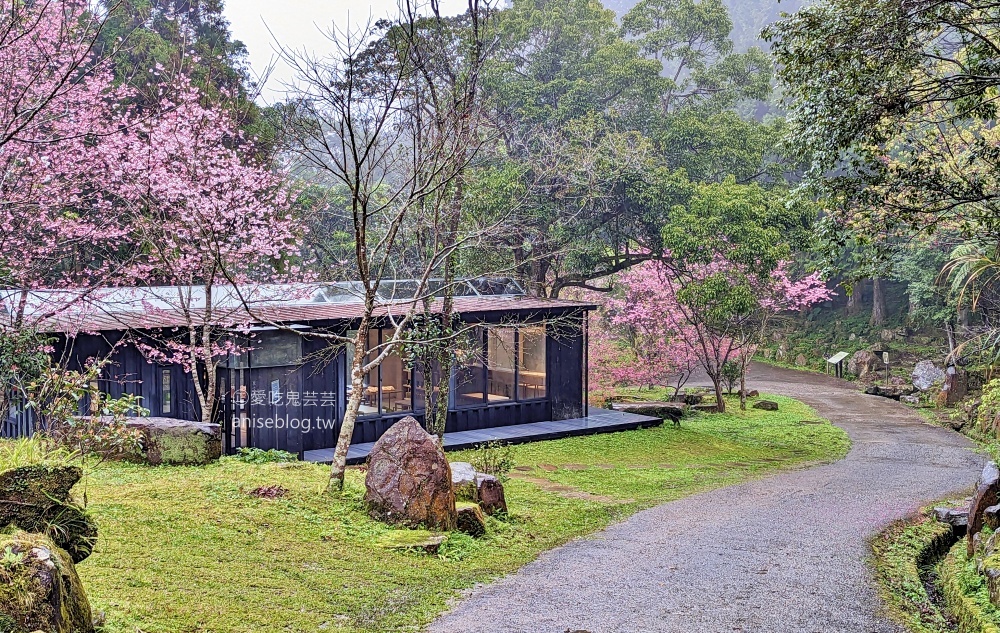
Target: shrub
33,451
730,375
988,414
260,456
494,458
105,434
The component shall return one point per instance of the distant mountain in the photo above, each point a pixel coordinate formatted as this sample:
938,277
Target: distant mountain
749,16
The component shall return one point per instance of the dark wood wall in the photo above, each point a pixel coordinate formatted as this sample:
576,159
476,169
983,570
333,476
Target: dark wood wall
565,355
131,372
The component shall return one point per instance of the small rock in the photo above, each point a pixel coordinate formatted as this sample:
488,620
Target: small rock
753,393
463,480
429,542
491,495
991,517
766,405
862,363
909,399
993,584
471,519
801,360
956,517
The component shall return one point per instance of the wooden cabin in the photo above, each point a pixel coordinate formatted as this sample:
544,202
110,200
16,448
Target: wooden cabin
287,387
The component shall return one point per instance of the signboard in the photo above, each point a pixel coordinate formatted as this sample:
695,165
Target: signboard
883,354
837,358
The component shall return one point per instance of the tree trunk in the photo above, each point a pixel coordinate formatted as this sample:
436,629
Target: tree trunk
854,299
878,302
743,386
339,466
720,401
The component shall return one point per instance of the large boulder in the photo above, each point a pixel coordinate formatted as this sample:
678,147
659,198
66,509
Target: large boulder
37,499
40,590
409,479
987,494
491,495
926,374
178,442
862,363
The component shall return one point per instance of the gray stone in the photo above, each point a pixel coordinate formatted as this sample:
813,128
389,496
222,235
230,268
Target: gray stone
926,374
987,494
907,399
463,480
956,517
766,405
801,360
178,442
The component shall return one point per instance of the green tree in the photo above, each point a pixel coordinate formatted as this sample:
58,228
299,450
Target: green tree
892,104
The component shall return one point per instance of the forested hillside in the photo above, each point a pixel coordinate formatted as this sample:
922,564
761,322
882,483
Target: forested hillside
749,16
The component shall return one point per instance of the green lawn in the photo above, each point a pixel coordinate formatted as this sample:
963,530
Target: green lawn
187,549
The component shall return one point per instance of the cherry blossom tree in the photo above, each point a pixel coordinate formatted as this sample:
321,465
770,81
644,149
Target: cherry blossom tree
60,147
60,150
633,343
213,226
665,319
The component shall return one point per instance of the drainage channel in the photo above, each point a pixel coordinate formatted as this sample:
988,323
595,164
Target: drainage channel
928,568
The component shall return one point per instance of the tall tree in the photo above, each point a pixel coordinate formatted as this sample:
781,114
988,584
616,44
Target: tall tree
364,127
211,227
891,104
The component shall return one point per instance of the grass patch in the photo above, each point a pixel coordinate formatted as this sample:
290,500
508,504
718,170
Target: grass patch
966,594
189,549
902,555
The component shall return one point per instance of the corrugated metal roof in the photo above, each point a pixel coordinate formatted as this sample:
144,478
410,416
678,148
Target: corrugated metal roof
95,318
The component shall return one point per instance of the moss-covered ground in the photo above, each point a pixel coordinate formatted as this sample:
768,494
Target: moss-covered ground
903,556
186,549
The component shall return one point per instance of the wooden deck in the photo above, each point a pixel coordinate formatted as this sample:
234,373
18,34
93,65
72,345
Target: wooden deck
599,421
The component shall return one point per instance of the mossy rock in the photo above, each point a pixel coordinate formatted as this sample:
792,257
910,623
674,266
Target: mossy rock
424,540
39,588
471,519
177,442
37,499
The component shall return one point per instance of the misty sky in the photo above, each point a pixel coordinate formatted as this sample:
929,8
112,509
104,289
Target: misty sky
298,24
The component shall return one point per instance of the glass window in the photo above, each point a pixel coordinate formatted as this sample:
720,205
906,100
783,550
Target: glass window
397,393
369,395
276,349
501,351
165,394
470,376
531,352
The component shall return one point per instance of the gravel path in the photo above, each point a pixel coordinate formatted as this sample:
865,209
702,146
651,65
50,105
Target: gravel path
785,553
